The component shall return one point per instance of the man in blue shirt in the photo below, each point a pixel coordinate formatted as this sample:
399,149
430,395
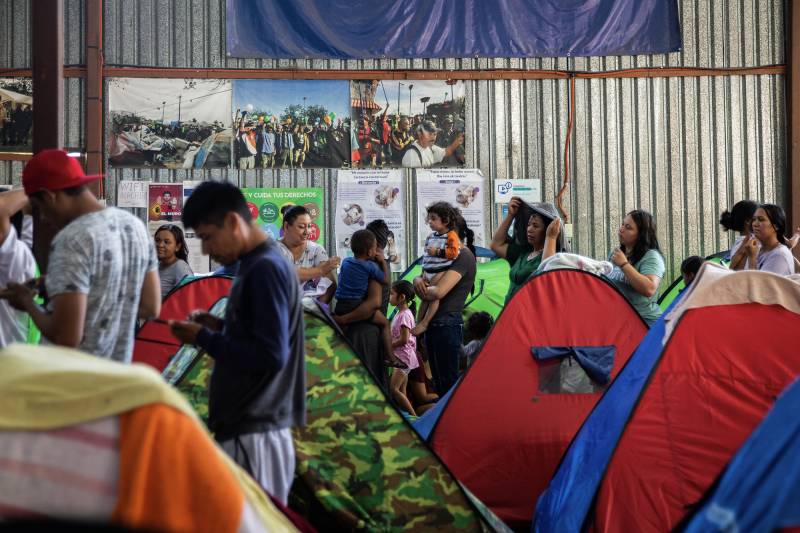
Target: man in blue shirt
257,390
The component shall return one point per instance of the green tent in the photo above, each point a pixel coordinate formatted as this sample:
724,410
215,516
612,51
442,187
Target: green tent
491,283
671,292
360,465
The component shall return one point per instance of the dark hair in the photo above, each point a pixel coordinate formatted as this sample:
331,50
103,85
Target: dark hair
361,241
777,217
444,211
381,231
737,217
478,325
177,232
405,288
466,235
691,265
293,211
211,201
646,240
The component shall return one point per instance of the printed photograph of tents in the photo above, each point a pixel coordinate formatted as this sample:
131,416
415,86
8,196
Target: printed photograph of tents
169,123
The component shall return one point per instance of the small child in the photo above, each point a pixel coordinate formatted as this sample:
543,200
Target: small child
441,249
478,326
690,267
354,275
404,343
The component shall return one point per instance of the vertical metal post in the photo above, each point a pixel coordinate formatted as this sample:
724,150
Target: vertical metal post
94,92
48,92
793,112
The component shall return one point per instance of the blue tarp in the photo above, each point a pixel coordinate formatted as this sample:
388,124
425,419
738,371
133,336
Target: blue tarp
339,29
760,489
563,507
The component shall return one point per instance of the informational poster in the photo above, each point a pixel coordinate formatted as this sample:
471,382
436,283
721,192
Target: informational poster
131,193
390,115
366,195
169,123
165,202
291,124
463,189
529,190
266,205
200,263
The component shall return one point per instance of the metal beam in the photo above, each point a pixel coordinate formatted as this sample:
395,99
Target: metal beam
94,92
793,118
47,18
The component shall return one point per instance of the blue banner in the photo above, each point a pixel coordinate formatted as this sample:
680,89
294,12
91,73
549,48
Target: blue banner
344,29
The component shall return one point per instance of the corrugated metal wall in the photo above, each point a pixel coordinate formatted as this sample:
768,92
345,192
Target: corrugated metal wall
683,148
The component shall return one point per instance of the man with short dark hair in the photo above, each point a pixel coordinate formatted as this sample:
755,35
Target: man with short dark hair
257,391
102,272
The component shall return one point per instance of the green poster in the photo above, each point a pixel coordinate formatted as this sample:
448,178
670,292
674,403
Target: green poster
265,207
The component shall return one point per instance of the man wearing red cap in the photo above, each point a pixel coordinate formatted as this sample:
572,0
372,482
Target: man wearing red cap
102,270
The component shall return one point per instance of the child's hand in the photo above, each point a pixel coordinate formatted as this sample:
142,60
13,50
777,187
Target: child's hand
433,251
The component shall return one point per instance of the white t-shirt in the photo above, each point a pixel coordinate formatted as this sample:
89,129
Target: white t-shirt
426,158
16,265
779,261
312,256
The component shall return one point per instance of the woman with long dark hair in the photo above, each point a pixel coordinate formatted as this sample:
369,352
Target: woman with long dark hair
172,255
739,219
769,249
638,264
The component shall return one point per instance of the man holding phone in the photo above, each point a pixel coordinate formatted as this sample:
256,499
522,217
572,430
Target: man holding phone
17,265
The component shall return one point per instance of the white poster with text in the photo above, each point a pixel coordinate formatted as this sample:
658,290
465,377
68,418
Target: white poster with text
200,263
366,195
463,189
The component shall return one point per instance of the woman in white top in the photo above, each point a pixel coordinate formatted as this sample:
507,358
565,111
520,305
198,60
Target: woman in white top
314,269
769,228
739,218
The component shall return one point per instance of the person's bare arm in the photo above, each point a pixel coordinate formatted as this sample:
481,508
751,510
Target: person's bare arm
646,285
150,300
436,292
455,144
367,308
323,269
499,243
551,238
10,203
64,326
405,334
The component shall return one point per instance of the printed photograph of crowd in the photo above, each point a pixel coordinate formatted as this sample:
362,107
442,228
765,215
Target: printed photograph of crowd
410,124
287,124
16,114
169,123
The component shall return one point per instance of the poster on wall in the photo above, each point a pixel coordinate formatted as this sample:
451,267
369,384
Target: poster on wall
16,114
132,193
291,124
165,202
463,189
169,123
366,195
266,205
199,262
409,123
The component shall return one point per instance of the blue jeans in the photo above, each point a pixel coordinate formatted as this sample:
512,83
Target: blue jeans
443,340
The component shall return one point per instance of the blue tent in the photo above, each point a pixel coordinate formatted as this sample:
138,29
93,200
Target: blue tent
760,489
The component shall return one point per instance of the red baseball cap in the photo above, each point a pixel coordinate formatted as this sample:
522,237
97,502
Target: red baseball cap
54,170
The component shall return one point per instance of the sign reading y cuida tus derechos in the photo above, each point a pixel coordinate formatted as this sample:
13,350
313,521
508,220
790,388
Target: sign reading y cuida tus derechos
266,206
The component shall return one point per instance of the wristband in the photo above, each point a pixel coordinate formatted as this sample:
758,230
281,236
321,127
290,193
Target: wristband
623,265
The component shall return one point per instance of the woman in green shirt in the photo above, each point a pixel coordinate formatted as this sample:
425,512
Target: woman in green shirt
638,264
525,258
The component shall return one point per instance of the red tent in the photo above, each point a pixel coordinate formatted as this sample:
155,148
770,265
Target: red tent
501,434
154,344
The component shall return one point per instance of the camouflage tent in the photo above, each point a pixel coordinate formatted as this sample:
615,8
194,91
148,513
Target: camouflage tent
360,465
